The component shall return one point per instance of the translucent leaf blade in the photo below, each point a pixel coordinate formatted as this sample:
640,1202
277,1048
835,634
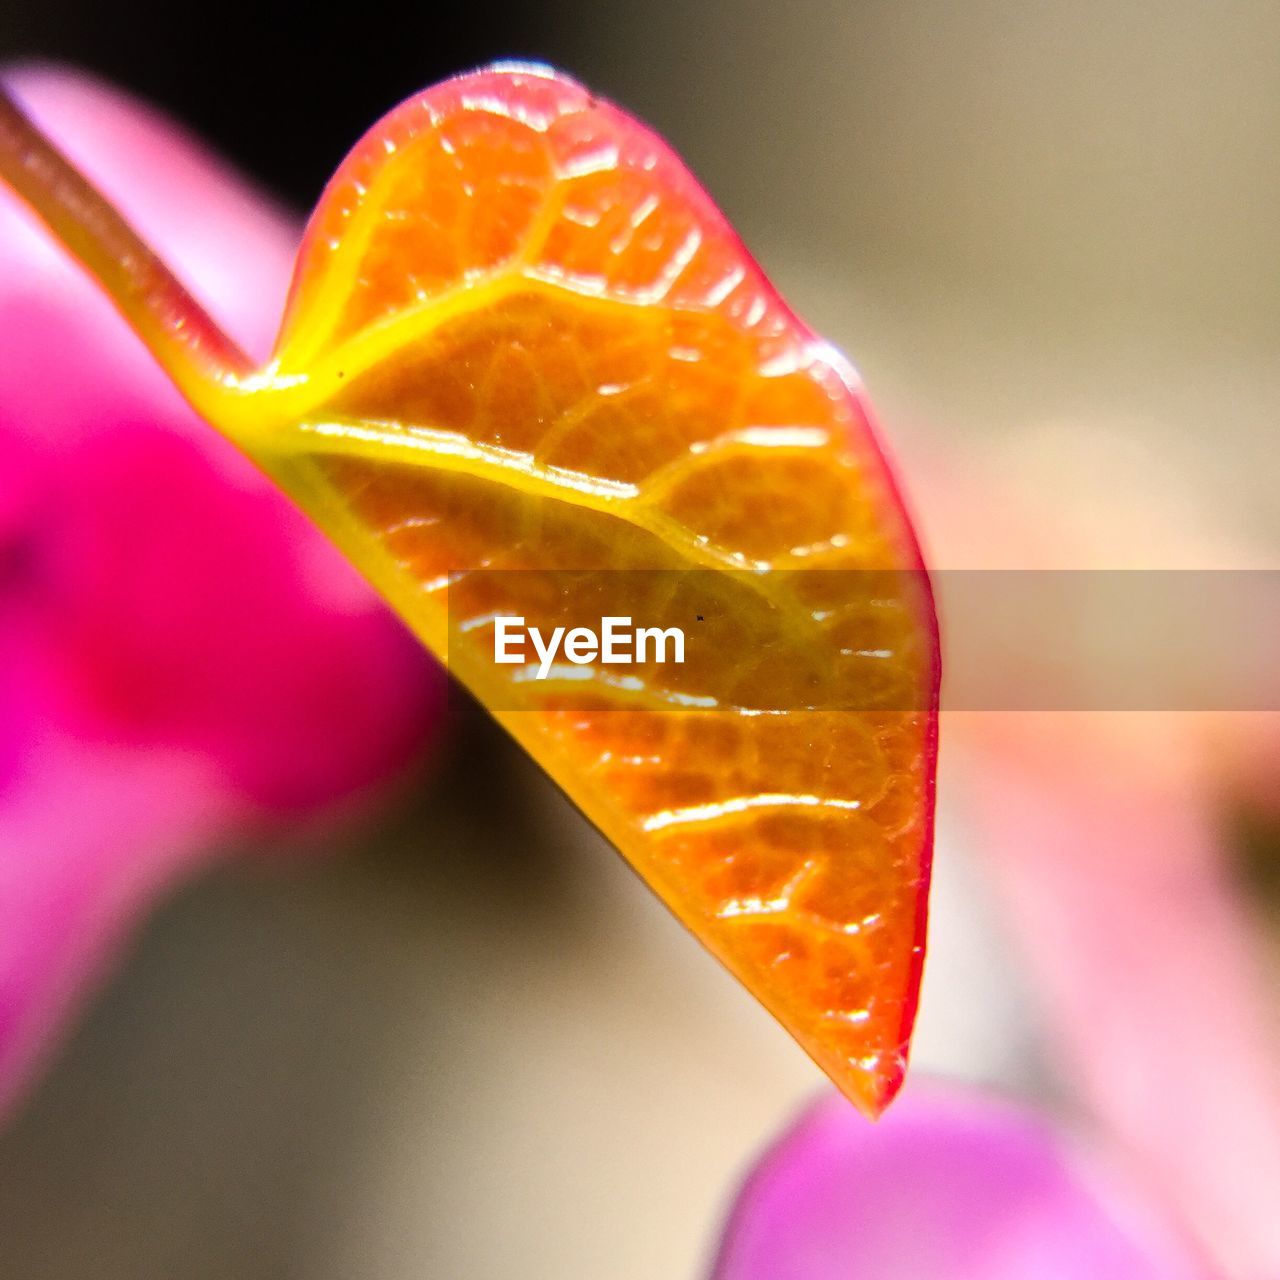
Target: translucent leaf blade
522,344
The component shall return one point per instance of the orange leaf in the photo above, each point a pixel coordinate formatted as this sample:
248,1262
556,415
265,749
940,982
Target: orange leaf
527,369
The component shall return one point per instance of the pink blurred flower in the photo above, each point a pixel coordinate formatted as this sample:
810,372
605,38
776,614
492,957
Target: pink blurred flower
181,654
948,1186
1104,835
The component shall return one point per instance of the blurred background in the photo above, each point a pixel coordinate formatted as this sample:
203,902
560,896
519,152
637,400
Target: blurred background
470,1043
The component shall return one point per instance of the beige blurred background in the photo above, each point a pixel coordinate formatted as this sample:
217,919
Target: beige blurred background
469,1043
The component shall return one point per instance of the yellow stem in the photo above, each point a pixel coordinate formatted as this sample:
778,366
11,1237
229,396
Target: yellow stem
205,364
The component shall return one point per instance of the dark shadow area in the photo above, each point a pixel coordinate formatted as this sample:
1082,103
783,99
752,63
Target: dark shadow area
282,89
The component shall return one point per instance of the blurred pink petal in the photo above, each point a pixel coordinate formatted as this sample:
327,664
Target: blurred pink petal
103,831
181,654
948,1186
1104,834
1145,957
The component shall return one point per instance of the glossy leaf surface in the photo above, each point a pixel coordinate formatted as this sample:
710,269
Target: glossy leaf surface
521,339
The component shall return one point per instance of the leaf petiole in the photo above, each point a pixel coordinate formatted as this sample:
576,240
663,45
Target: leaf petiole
206,365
